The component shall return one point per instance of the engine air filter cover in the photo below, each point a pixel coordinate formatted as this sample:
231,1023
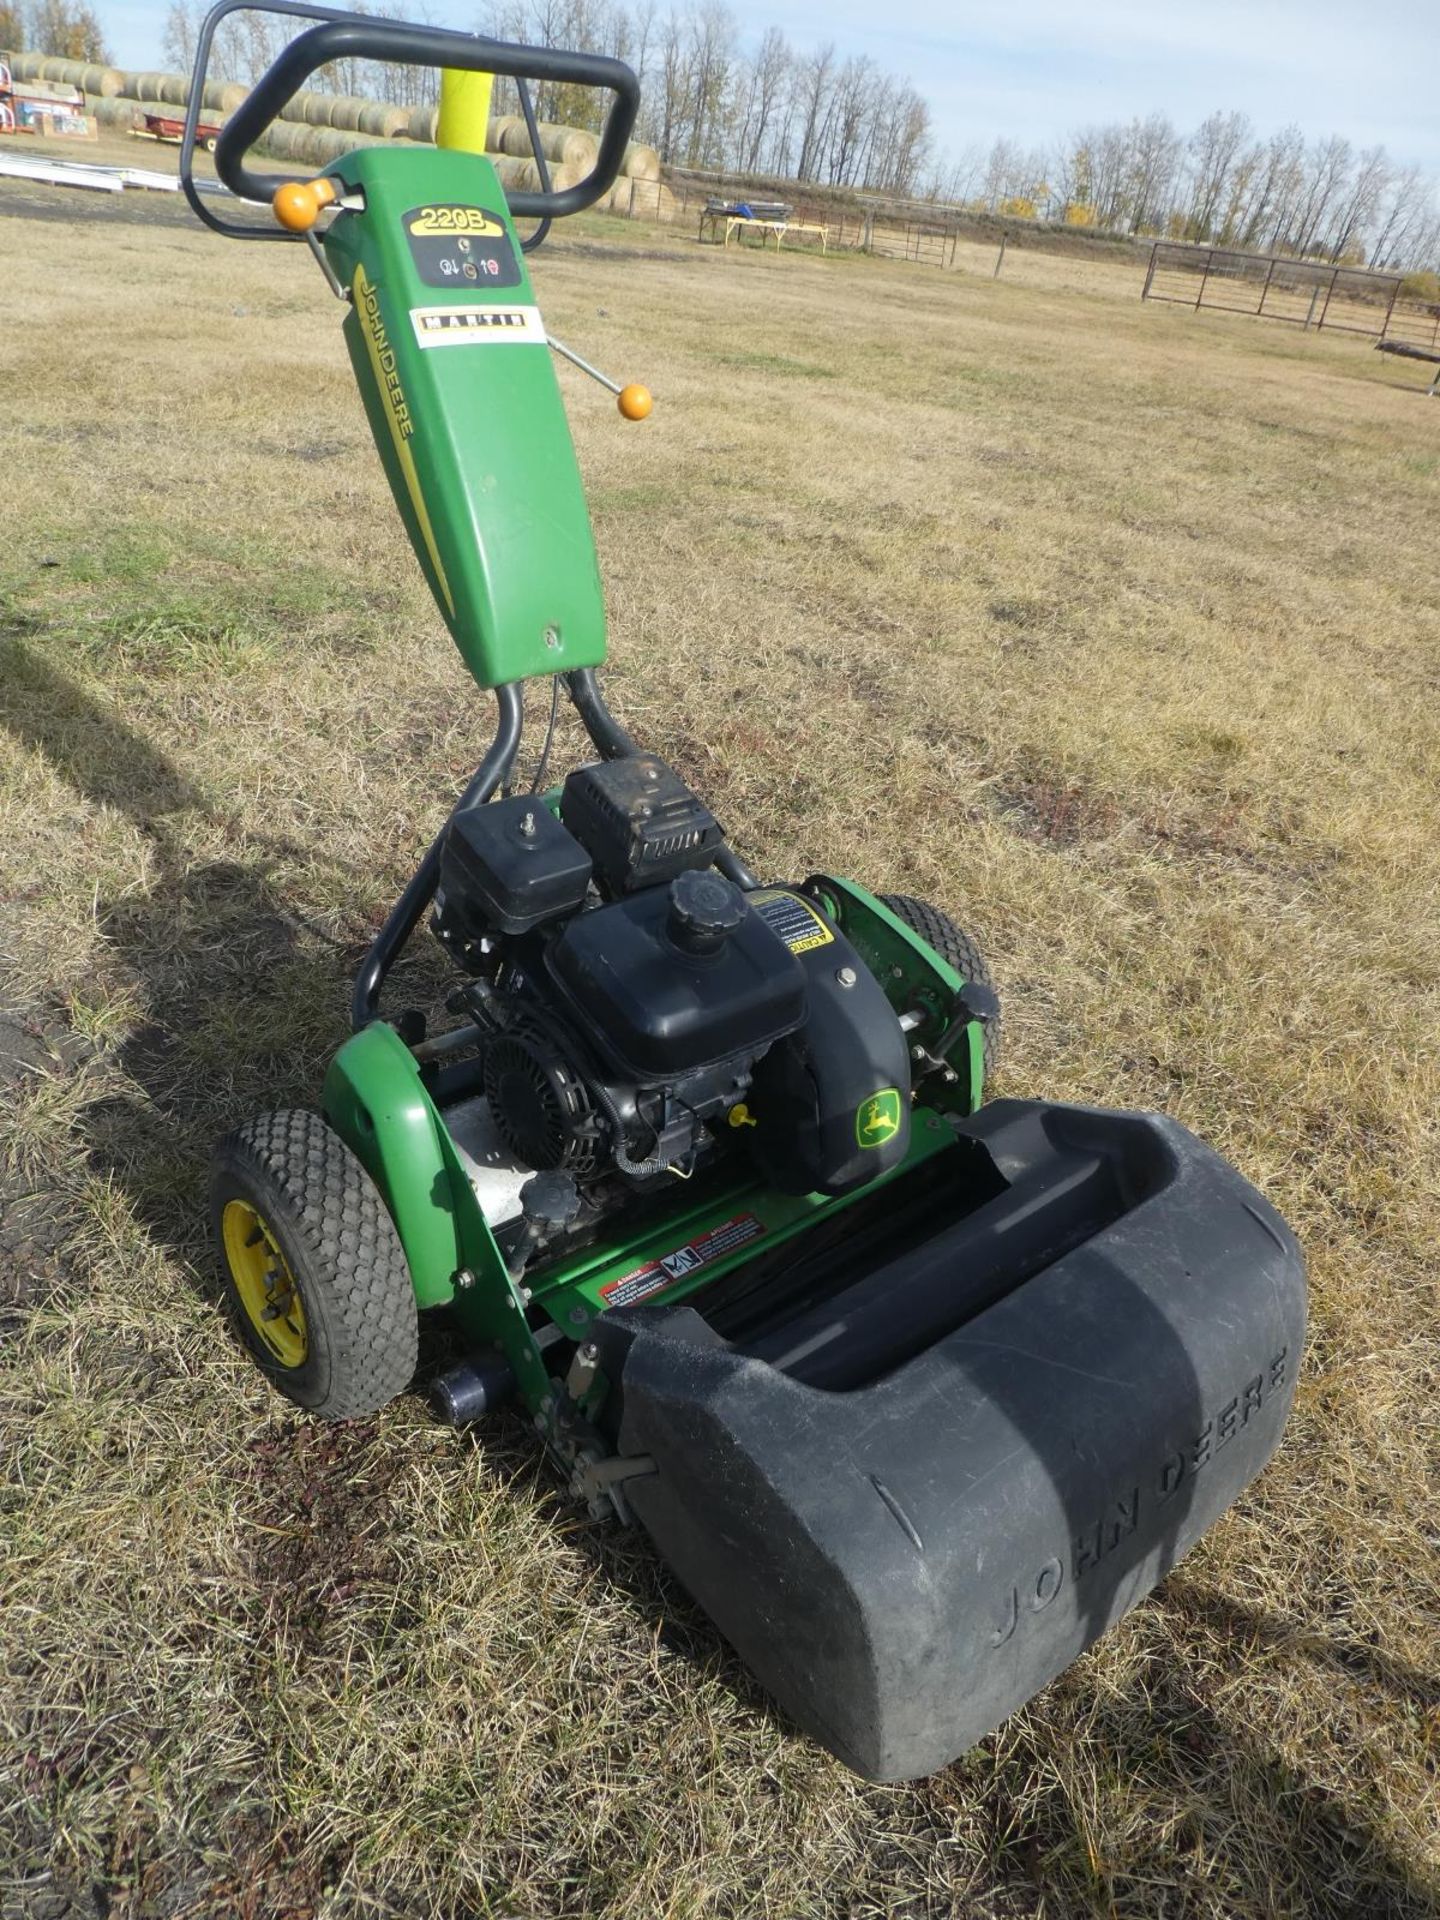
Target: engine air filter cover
639,821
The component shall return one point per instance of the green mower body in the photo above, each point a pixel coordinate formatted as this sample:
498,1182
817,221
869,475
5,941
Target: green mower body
916,1393
450,355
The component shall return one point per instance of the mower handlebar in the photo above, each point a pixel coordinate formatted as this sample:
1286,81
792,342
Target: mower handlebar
348,36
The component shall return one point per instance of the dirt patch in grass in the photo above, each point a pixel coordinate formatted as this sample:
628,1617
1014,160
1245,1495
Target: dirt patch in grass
1113,629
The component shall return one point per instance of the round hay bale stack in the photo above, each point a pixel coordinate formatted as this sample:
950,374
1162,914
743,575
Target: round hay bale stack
315,147
148,88
88,76
175,89
640,163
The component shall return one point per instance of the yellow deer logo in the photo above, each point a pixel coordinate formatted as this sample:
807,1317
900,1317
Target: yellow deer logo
878,1118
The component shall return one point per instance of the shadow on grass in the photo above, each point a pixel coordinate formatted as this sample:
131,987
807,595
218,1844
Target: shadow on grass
243,996
1250,1824
247,1001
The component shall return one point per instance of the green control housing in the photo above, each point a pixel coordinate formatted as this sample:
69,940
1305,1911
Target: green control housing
451,357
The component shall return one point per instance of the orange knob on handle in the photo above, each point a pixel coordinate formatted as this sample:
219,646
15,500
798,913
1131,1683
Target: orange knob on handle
635,402
297,204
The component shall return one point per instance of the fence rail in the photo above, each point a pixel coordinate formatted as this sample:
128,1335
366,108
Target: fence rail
936,239
1272,286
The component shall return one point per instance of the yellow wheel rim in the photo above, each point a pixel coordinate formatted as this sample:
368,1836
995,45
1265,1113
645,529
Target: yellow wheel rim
267,1288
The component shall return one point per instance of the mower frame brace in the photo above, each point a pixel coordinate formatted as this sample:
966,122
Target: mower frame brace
406,43
613,742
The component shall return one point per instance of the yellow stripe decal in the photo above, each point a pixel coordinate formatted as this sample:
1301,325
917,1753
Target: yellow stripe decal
397,412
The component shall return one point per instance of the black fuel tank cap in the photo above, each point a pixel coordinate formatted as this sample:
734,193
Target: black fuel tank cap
705,909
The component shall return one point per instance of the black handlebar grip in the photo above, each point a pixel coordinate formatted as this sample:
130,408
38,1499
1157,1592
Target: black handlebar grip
359,38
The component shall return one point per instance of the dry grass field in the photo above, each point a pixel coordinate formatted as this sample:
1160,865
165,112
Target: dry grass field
1114,628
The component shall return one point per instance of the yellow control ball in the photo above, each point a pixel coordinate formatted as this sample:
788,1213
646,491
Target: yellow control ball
635,402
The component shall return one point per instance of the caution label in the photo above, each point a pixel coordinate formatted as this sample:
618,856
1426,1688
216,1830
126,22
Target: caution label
798,924
699,1252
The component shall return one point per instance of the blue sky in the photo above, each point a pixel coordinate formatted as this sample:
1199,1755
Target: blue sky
1033,69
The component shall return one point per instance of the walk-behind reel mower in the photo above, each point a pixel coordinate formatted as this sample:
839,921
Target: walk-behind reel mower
916,1396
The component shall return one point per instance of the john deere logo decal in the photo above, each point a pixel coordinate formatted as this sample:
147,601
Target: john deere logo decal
878,1118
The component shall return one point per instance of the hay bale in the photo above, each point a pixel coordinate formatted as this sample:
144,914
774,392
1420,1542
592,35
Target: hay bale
315,147
640,163
102,83
639,200
570,147
283,139
149,87
566,146
89,76
422,123
310,109
522,176
375,118
347,112
116,111
223,96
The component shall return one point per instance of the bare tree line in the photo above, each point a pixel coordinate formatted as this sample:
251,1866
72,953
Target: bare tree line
712,100
1222,184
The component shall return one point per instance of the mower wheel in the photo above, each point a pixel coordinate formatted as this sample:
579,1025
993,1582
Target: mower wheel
315,1275
957,949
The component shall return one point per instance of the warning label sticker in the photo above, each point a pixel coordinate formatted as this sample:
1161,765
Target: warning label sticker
798,924
696,1253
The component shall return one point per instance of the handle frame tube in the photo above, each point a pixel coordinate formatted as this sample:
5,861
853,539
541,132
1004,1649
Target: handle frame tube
340,36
